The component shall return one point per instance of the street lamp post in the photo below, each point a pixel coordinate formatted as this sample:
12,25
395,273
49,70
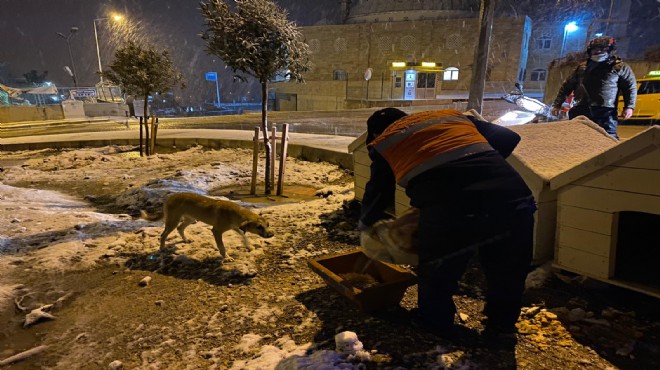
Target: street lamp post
96,37
67,38
568,28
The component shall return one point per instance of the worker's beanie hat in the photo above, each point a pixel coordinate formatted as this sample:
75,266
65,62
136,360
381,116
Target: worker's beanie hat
380,120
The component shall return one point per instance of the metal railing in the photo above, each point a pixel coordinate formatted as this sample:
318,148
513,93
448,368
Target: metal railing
92,94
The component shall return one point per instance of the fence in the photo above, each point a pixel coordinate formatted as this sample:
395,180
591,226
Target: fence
111,94
93,94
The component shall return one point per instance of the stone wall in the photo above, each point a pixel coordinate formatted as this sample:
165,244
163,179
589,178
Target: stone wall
106,109
20,113
396,10
342,53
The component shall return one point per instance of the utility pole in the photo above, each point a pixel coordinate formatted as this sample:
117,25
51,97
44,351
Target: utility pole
116,18
67,38
476,95
217,92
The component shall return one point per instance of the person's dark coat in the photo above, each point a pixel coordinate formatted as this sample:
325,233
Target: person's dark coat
599,84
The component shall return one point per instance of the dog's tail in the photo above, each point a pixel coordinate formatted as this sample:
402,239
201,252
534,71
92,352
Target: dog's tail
149,217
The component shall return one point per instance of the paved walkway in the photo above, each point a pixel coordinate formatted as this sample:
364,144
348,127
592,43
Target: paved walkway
312,147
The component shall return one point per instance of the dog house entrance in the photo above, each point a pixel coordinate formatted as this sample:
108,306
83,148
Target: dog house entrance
638,249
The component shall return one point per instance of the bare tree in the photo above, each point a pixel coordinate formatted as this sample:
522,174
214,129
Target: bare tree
257,39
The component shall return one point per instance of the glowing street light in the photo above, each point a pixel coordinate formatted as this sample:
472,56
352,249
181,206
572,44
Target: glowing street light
568,28
116,18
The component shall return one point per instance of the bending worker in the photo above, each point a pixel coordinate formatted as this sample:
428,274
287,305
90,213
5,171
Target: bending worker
453,169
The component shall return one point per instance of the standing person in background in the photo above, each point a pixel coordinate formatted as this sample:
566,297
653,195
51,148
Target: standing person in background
470,199
597,84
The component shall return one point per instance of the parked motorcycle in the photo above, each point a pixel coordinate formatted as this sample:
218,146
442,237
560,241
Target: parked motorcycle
531,110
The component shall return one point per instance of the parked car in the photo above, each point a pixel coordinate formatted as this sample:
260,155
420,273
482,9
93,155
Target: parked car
647,109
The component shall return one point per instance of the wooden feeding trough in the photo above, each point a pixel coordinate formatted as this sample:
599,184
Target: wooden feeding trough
345,273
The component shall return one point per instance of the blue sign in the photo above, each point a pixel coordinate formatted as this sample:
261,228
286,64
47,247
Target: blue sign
211,76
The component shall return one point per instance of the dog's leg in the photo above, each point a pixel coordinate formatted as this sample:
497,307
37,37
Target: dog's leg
246,242
170,225
182,226
217,234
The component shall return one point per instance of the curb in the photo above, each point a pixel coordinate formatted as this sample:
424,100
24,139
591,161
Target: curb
27,124
309,153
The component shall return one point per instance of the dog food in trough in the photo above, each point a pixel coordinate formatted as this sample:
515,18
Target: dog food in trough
372,285
360,281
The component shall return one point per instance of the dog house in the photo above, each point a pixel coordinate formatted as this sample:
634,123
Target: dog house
546,151
608,215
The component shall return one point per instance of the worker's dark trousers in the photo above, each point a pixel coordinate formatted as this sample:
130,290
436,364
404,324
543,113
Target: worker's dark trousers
604,117
446,243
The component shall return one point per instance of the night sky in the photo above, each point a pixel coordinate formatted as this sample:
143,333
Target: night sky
28,30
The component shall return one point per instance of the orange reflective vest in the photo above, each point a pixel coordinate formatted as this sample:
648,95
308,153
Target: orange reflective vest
421,141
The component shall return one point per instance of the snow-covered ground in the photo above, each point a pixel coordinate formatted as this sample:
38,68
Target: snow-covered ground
75,258
61,231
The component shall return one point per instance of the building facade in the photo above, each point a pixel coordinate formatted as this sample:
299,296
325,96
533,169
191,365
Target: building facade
370,62
374,11
433,42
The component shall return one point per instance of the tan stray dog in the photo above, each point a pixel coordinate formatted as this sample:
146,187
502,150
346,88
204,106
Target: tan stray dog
183,209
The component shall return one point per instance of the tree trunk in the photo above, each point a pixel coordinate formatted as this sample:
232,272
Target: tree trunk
476,95
264,128
146,123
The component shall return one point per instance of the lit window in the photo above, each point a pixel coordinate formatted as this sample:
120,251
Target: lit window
538,75
543,42
450,74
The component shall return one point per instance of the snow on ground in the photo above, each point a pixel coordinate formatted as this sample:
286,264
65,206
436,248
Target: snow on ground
51,231
54,229
185,319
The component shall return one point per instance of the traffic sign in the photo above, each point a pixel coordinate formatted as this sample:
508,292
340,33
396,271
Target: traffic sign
138,108
211,76
83,93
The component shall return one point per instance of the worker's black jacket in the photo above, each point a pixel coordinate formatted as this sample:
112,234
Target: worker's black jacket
600,84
